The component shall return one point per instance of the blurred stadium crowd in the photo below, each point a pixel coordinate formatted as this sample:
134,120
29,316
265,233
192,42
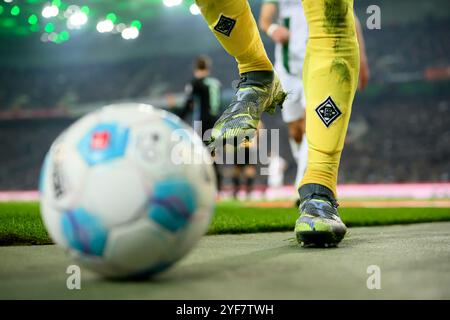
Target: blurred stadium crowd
396,54
400,130
391,140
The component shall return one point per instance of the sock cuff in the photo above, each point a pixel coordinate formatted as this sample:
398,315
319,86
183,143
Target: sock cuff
257,77
313,189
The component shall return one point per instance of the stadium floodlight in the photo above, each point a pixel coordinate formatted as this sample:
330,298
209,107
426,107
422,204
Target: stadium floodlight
137,24
8,1
194,9
15,11
33,19
77,20
130,33
172,3
50,11
49,27
105,26
64,36
112,16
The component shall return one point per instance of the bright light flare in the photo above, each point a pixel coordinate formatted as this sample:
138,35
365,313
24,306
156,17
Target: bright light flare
50,11
172,3
105,26
194,9
130,33
77,20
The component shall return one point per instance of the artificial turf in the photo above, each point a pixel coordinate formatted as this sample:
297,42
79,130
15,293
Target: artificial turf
21,224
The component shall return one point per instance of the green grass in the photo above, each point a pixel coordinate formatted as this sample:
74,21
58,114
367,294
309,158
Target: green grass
20,222
232,218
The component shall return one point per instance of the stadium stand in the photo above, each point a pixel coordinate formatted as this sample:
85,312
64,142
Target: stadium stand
402,57
397,140
399,130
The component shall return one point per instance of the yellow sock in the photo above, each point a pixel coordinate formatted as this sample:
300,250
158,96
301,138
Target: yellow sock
234,26
330,76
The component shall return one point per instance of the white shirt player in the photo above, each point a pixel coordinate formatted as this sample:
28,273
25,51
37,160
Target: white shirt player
290,56
276,169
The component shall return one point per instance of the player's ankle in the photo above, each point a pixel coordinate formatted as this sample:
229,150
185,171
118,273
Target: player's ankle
316,190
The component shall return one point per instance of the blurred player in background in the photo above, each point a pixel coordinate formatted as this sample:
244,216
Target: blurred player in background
243,168
285,23
276,170
290,35
244,163
203,99
330,77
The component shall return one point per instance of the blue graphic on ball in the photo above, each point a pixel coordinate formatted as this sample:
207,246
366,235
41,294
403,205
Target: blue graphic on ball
84,232
173,203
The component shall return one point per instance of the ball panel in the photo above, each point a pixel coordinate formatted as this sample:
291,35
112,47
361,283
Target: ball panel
128,114
201,176
138,246
191,234
128,190
172,204
52,222
84,232
98,265
151,151
63,177
114,193
150,271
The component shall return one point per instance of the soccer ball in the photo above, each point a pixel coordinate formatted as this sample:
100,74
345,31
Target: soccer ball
127,190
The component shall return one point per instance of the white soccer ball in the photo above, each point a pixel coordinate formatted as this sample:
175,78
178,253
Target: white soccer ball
127,190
